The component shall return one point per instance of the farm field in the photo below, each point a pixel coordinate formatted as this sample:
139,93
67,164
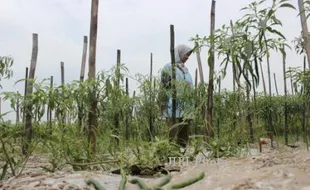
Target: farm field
92,133
281,168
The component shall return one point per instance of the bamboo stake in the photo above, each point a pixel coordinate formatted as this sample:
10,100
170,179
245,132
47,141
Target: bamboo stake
62,70
305,32
25,93
292,85
17,109
174,91
249,114
126,116
263,78
285,100
83,64
304,105
116,116
275,83
209,111
92,117
151,124
199,63
50,110
219,112
28,119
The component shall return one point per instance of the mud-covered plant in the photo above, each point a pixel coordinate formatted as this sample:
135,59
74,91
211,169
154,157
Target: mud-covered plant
163,184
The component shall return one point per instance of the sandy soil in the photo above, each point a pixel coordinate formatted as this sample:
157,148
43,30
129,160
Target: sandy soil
282,168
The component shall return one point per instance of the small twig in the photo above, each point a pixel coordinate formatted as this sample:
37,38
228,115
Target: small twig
93,163
7,156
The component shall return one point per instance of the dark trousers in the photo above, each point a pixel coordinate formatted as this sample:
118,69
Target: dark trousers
180,133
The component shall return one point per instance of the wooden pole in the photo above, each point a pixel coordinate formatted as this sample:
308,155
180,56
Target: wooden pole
92,116
249,114
17,109
173,81
199,63
28,120
151,125
209,111
116,115
0,105
50,110
292,84
127,112
196,78
275,83
83,64
25,94
305,32
219,112
62,67
304,105
263,78
285,101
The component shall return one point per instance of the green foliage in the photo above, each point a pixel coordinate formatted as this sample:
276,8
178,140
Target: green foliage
242,44
6,62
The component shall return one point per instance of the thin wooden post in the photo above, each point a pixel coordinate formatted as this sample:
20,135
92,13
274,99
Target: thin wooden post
219,112
17,124
134,135
195,130
263,78
28,120
249,114
304,105
196,77
285,100
209,111
83,64
118,63
25,94
199,63
62,67
292,84
127,113
173,81
92,117
151,124
305,32
17,109
275,83
116,114
50,111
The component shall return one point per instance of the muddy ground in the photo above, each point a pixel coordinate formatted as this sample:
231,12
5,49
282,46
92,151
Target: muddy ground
281,168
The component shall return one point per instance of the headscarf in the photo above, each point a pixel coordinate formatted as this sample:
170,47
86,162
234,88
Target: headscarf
179,52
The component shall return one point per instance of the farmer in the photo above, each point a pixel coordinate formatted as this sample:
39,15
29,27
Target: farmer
183,101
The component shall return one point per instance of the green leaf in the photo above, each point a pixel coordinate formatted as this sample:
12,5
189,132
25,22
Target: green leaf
287,5
275,32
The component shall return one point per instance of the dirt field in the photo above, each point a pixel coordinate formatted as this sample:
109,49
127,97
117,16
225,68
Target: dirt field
283,168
